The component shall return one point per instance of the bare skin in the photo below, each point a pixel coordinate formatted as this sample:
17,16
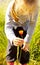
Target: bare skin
19,42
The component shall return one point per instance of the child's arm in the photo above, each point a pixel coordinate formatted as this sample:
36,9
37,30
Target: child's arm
31,26
9,25
27,39
30,31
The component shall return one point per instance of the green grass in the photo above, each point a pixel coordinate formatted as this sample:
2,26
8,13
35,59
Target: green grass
34,44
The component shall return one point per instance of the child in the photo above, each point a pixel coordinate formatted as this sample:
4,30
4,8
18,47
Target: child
20,14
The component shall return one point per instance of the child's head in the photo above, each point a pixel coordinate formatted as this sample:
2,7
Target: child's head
22,9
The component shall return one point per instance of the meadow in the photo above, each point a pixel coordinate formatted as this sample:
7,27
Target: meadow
34,43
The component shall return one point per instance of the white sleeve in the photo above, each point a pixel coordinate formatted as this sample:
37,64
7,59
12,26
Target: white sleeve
29,32
31,27
9,26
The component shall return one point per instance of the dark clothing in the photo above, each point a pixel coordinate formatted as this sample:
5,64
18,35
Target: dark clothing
23,56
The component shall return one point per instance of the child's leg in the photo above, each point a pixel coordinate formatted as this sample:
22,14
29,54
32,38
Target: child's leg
24,57
10,63
12,56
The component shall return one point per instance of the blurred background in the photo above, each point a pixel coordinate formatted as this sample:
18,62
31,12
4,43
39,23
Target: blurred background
34,43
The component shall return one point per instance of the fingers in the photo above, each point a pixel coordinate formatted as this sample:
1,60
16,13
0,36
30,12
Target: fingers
18,42
25,49
18,39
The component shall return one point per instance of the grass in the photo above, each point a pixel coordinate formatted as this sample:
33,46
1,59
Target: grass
3,39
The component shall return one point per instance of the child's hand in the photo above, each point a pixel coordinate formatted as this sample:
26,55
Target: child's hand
26,48
18,42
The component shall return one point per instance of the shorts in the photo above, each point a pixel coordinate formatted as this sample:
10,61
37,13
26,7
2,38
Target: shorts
23,56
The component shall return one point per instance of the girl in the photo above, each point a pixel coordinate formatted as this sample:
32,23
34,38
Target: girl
21,15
